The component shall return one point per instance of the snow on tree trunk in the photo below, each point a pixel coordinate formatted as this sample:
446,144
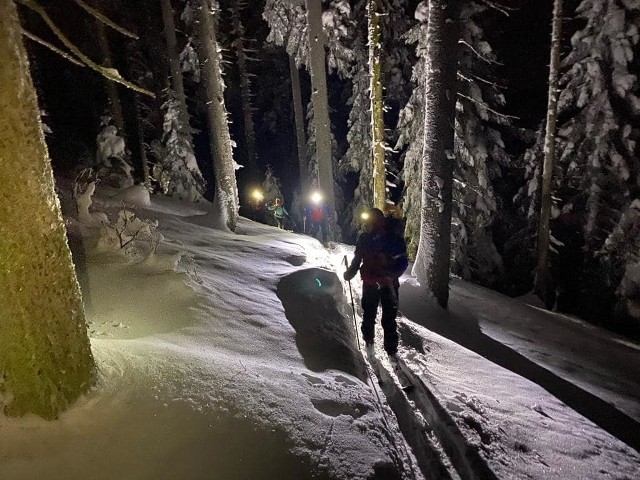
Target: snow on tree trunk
434,248
45,357
377,105
115,107
172,53
549,154
320,104
226,191
245,87
299,120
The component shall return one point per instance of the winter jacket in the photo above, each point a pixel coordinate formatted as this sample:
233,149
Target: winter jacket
278,210
316,213
381,258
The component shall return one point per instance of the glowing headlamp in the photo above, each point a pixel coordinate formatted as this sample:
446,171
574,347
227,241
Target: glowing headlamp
257,195
365,216
316,197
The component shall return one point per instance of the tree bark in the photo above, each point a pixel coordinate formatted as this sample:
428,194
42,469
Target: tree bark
45,356
172,53
226,189
320,102
299,120
433,257
377,106
542,270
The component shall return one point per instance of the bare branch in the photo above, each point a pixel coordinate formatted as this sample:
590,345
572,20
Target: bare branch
53,48
480,79
110,73
100,17
500,8
478,54
486,107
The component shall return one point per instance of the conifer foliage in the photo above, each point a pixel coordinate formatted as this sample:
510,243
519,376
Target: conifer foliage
480,156
596,184
176,170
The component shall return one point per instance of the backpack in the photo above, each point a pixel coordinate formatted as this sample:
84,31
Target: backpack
395,226
317,214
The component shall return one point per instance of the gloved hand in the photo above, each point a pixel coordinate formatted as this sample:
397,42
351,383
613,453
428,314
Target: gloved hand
349,274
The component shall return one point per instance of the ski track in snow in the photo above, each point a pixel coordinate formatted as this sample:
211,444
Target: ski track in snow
255,372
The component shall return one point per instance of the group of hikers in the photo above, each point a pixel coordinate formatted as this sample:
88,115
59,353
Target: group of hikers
315,219
380,257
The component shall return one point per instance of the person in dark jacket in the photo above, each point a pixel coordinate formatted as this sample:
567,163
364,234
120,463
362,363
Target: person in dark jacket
381,257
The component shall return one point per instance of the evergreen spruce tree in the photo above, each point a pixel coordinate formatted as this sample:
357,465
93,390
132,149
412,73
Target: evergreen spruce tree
479,148
176,170
239,46
226,191
432,261
597,174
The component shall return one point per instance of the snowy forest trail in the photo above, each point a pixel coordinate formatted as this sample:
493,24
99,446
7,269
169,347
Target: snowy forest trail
482,409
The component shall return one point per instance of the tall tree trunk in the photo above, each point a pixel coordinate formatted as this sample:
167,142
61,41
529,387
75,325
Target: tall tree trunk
377,105
172,53
141,144
299,120
45,356
549,156
434,249
245,88
320,102
115,107
226,189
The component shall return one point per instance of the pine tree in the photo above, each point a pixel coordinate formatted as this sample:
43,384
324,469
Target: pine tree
299,121
113,166
377,105
226,191
319,97
595,180
45,359
239,45
115,107
433,256
549,154
271,187
177,170
479,148
172,53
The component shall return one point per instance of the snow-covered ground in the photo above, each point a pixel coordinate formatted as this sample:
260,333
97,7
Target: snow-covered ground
239,361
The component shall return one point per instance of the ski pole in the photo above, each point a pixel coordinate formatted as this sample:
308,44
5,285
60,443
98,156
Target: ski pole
353,305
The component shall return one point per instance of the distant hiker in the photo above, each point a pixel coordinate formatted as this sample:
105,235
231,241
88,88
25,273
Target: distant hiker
257,206
381,257
316,217
279,212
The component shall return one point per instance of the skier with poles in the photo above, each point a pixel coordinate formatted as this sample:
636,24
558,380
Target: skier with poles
381,257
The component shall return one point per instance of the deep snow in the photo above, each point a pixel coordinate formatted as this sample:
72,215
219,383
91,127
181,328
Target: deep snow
247,367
